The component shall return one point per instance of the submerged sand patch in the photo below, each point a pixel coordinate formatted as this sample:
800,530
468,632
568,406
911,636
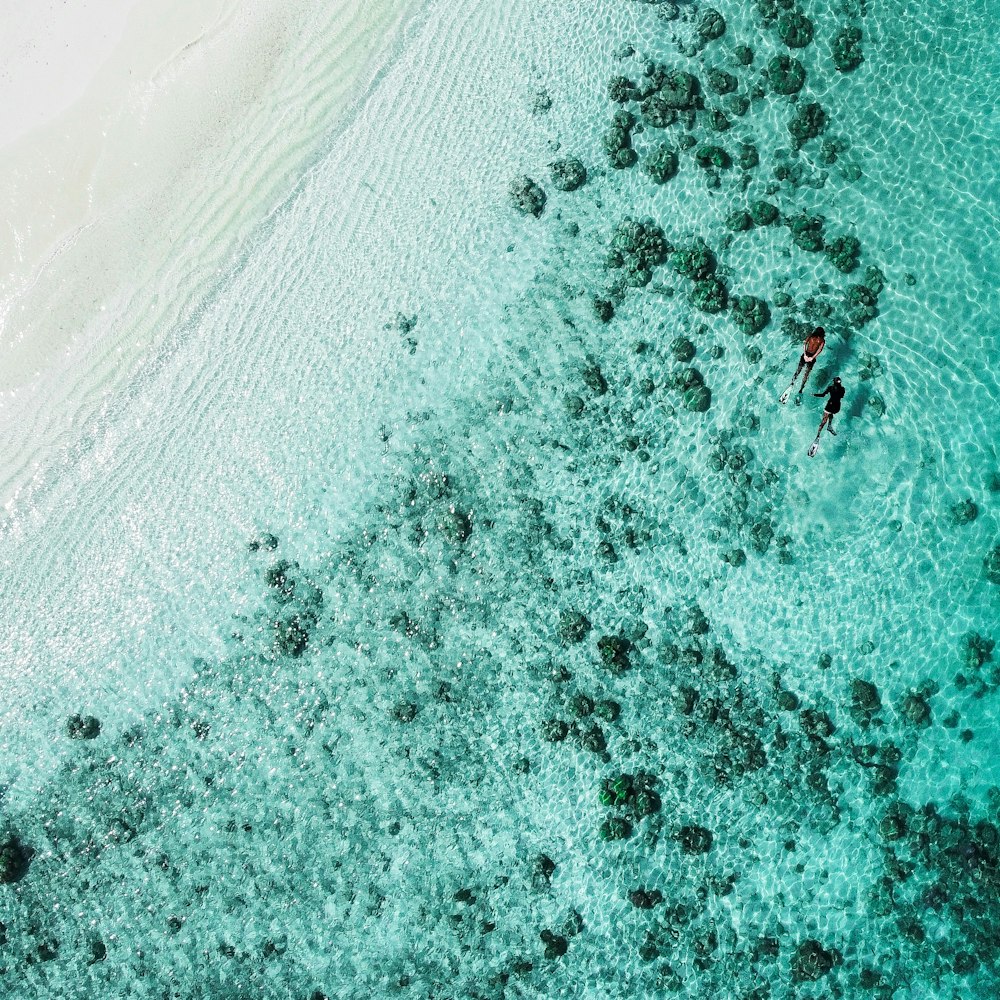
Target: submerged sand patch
121,207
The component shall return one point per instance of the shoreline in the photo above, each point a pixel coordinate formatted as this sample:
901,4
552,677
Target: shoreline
117,218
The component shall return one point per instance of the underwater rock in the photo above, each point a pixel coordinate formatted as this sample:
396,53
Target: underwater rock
661,164
615,828
811,961
604,309
694,839
685,378
83,727
721,82
739,220
618,791
685,699
647,802
874,280
717,121
404,711
764,213
606,551
712,25
964,512
279,578
892,827
593,378
847,53
15,859
977,650
750,314
785,74
403,324
568,174
617,140
696,262
267,541
541,102
573,626
865,702
615,652
607,710
645,899
580,706
682,349
527,196
816,725
554,730
291,633
636,248
621,90
542,870
807,232
708,156
455,525
698,398
555,944
591,738
743,55
916,709
696,621
678,90
747,157
761,535
809,121
788,701
657,112
795,29
709,295
768,10
737,104
843,253
861,305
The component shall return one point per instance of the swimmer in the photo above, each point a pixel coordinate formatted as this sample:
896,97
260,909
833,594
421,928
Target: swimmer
811,350
836,391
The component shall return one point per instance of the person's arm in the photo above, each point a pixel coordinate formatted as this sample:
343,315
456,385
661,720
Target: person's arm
825,391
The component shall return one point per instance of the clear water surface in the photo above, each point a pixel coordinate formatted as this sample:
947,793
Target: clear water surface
441,641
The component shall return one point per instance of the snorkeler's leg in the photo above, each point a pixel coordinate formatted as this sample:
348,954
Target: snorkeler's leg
808,371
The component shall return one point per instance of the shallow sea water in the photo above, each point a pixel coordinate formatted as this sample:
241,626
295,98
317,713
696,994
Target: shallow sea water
495,564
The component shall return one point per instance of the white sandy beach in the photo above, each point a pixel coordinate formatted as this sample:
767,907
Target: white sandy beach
139,141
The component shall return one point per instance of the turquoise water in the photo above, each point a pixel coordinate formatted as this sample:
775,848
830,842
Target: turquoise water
442,644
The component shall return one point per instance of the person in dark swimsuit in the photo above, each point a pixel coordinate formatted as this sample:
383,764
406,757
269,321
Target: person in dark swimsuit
811,350
835,390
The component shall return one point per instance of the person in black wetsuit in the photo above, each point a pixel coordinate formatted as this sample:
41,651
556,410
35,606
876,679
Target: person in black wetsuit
835,390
